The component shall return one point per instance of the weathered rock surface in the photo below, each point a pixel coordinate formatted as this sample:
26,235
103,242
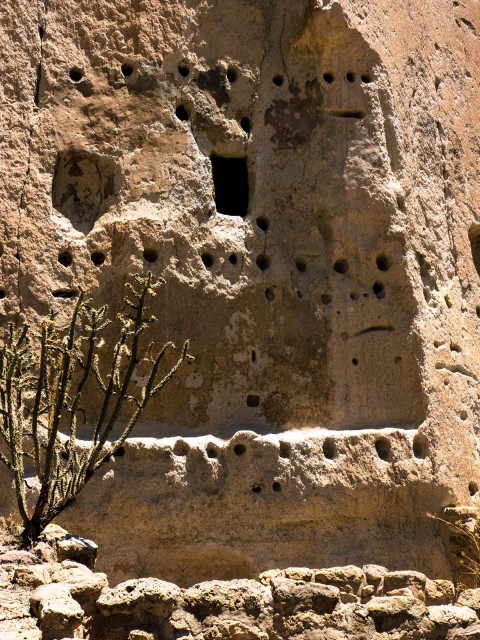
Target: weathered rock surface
304,175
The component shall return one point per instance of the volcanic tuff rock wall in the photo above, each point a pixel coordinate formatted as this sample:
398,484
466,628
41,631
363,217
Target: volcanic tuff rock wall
304,176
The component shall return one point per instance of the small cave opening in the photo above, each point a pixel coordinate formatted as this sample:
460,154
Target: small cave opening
230,181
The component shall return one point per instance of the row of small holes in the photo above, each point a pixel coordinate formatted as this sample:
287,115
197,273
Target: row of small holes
65,258
382,261
382,447
278,80
350,77
257,488
76,74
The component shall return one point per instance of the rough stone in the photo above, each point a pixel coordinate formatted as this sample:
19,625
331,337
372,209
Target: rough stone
452,615
290,596
470,598
439,592
58,613
389,606
18,558
136,597
77,549
412,580
213,598
31,576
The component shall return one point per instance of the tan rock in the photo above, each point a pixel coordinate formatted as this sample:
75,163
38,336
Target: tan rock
77,549
413,580
387,606
291,597
470,598
18,558
439,592
452,615
58,613
215,597
137,597
31,576
234,630
341,577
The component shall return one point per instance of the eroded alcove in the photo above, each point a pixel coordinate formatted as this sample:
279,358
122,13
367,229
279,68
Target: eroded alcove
84,185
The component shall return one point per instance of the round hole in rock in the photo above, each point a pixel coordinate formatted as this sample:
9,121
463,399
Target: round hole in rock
120,452
472,488
299,295
129,588
278,80
328,77
98,258
354,295
341,266
262,223
270,295
232,74
150,255
212,451
301,265
276,486
65,258
383,263
182,113
398,359
350,76
75,74
181,448
463,415
184,69
383,447
329,448
208,260
379,290
262,261
256,488
246,124
420,446
326,298
253,400
239,449
64,455
285,450
232,258
355,362
127,69
366,78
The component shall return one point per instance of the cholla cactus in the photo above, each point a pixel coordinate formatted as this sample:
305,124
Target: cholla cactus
43,378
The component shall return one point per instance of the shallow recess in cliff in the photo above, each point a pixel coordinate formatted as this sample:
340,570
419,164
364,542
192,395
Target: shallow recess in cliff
230,180
84,185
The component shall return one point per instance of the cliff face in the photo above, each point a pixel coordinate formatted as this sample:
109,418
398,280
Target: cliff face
304,177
